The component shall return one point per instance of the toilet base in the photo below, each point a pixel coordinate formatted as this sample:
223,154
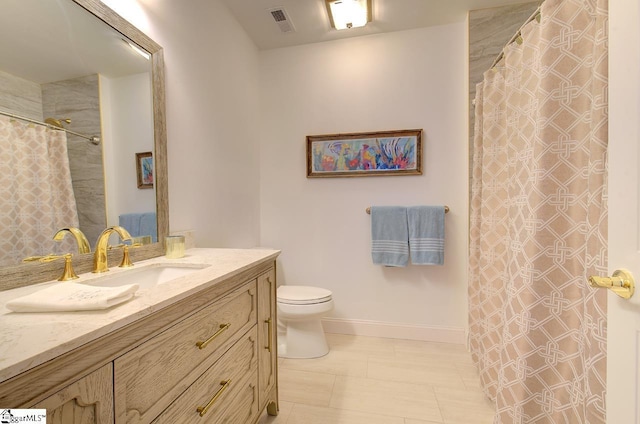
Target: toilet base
302,340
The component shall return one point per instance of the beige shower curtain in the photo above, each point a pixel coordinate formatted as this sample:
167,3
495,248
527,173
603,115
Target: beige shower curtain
539,220
36,196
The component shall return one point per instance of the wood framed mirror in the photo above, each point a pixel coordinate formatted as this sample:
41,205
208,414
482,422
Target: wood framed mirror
35,272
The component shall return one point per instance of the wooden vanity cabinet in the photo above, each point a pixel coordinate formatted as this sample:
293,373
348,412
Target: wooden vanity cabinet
149,377
87,401
267,340
209,358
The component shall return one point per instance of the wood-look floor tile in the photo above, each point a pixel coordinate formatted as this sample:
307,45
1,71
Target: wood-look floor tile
470,376
472,382
467,369
387,398
305,414
447,352
360,344
464,406
336,362
406,382
309,388
419,371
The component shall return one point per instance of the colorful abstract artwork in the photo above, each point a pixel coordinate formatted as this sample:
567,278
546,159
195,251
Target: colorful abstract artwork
144,169
365,154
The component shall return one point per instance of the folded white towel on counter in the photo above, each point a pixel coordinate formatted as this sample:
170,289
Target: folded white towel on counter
72,297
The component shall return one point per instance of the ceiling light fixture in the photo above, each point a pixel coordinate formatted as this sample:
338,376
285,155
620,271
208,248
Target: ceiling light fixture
345,14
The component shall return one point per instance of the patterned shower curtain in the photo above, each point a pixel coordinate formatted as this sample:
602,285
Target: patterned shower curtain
36,196
539,220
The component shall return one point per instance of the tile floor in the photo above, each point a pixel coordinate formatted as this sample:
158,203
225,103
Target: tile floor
369,380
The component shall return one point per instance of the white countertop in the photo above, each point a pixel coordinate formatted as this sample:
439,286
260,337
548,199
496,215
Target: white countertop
30,339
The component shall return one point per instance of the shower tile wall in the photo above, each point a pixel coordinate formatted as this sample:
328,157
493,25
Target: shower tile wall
20,96
489,31
79,100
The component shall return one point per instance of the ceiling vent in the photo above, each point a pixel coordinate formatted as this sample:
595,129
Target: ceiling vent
281,17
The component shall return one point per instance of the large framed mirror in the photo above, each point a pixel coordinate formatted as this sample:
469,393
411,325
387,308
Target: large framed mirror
78,65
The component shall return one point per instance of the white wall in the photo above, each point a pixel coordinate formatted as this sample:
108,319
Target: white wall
402,80
237,167
212,117
128,129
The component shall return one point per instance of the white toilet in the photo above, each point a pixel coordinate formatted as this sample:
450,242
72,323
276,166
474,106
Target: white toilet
300,333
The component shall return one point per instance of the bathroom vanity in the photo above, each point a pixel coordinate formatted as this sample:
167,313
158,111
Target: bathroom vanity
200,348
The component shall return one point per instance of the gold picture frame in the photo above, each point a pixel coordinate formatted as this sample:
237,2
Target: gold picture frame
144,169
363,154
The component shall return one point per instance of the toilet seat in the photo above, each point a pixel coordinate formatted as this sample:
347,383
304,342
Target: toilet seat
302,295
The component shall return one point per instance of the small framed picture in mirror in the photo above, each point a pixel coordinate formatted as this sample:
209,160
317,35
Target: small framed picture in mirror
144,169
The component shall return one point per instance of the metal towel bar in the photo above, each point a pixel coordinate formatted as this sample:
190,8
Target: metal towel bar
446,209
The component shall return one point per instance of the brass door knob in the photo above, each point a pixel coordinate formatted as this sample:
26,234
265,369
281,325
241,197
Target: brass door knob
621,283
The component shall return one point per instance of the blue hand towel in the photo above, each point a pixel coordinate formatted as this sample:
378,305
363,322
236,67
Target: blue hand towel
131,223
140,224
149,225
426,234
389,236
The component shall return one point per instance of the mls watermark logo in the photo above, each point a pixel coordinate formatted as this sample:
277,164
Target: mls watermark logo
24,416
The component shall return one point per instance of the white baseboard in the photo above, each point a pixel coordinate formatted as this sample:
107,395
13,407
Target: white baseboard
394,330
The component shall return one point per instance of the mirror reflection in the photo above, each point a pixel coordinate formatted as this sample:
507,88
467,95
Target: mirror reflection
61,67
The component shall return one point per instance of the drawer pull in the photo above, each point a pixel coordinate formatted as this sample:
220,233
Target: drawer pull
203,410
223,327
270,331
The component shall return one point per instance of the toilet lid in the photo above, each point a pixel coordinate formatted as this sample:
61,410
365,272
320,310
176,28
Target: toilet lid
303,295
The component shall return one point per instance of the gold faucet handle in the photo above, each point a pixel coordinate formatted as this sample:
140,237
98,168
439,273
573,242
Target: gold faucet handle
46,258
67,273
126,259
130,246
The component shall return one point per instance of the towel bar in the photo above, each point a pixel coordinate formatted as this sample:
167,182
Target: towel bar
446,209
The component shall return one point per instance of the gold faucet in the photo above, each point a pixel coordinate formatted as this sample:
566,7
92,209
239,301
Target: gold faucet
83,247
67,274
102,245
81,239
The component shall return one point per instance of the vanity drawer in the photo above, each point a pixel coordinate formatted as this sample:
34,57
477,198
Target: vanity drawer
149,377
88,400
229,387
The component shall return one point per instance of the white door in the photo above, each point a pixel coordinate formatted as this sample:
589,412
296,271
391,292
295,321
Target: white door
623,344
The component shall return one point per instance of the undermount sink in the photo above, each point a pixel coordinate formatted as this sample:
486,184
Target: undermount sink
147,276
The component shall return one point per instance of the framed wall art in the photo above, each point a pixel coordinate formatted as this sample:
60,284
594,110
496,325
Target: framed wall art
144,169
365,154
